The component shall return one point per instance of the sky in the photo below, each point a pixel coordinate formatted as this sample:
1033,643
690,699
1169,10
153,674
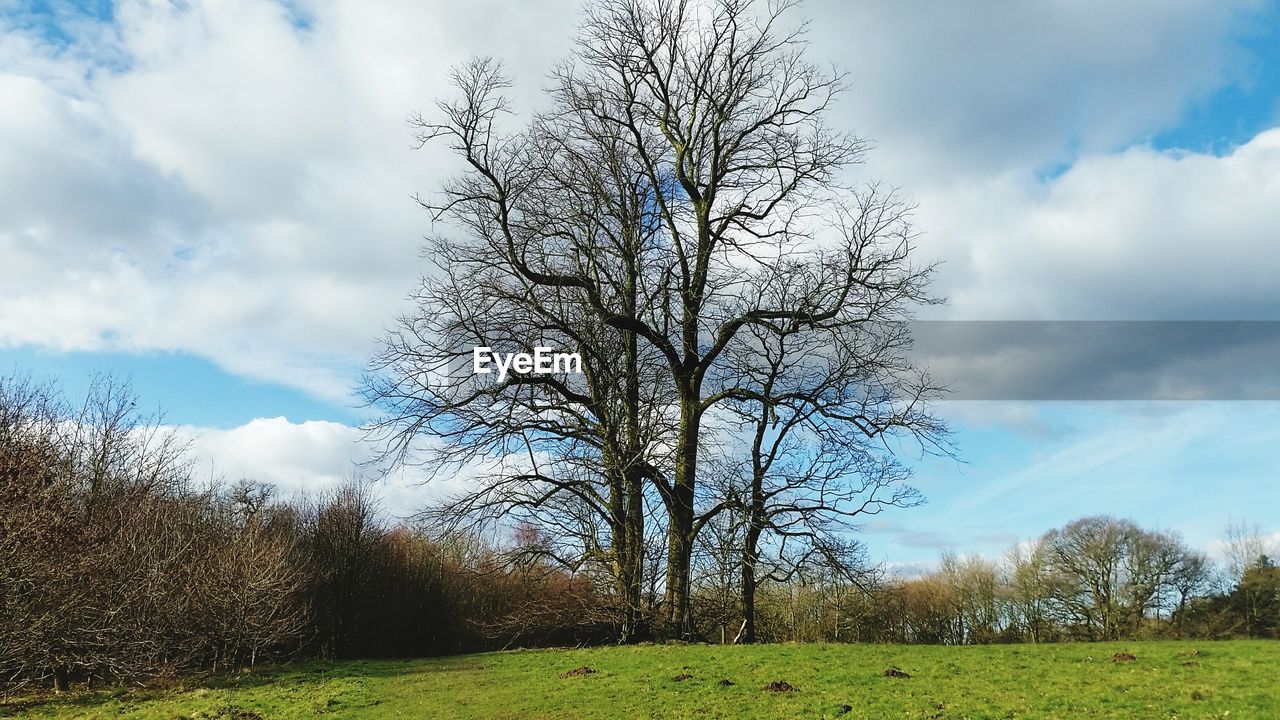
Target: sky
213,197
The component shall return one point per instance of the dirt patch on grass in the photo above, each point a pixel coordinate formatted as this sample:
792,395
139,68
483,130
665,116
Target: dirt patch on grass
894,672
1123,657
682,677
779,686
578,672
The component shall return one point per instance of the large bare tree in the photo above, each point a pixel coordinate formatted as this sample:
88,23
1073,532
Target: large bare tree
682,170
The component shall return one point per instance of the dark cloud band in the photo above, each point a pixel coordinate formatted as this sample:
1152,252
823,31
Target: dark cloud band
1102,360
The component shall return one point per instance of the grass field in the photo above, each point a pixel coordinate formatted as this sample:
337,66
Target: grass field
1166,680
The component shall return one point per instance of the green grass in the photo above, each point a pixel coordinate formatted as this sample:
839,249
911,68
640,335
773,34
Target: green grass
1168,680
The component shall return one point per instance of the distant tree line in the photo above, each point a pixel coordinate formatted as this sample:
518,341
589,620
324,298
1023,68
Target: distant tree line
1097,578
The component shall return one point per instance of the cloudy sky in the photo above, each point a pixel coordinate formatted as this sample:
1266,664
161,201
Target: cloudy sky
213,196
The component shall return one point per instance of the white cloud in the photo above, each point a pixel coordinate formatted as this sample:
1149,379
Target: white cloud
228,183
1136,235
221,179
308,456
307,459
952,88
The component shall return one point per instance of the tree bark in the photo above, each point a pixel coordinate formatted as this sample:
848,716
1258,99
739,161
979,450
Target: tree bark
750,556
680,535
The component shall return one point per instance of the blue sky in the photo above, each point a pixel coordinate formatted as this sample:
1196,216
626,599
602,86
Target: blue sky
188,389
1232,114
213,199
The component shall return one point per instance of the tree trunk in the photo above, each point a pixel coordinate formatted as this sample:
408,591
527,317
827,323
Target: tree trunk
631,496
635,558
750,556
628,547
748,634
678,616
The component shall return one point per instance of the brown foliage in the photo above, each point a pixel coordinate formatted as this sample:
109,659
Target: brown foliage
114,566
111,564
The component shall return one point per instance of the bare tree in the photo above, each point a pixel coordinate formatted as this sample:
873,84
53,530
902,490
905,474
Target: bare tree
1245,544
675,174
1109,574
1028,592
818,402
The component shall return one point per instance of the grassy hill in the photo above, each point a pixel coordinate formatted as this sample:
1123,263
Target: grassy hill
1164,680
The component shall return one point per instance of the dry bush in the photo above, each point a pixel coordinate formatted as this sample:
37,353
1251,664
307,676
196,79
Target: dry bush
112,566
